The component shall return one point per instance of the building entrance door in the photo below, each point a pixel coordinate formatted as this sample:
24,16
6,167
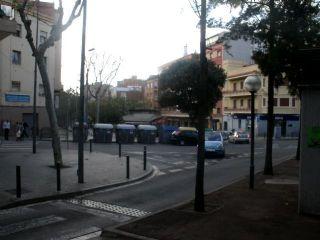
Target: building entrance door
28,118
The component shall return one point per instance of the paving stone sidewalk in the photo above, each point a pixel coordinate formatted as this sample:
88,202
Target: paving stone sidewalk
269,212
38,176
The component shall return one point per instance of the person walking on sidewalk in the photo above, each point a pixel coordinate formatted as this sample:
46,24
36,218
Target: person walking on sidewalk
6,127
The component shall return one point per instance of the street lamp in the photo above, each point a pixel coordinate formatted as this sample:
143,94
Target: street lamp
81,99
252,84
87,87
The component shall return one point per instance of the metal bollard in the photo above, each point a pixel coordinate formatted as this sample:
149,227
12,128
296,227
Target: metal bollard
58,177
90,145
119,149
18,182
144,157
128,167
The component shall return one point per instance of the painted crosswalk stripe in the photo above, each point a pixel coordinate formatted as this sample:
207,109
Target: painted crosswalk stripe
29,224
81,234
189,167
178,163
161,173
175,170
108,207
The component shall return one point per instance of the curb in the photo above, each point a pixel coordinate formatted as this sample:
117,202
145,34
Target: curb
77,193
115,230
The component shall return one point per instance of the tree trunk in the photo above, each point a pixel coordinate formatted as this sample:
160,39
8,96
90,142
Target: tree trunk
298,147
268,168
199,205
199,192
98,109
51,111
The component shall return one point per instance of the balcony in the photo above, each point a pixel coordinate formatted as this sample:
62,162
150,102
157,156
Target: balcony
237,93
237,110
7,27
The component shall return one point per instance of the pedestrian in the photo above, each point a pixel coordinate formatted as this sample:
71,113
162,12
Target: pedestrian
25,127
6,127
19,131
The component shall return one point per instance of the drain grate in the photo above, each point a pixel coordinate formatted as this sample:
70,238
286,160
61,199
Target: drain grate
109,207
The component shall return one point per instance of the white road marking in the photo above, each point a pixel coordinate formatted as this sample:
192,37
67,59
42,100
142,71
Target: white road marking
109,207
178,163
29,224
175,170
189,167
161,173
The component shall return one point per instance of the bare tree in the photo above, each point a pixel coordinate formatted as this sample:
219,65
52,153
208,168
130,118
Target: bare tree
105,69
38,52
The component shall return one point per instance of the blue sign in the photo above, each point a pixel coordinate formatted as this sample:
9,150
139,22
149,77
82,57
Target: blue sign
17,98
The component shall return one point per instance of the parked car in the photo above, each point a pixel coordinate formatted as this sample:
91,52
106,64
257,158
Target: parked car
185,136
225,135
239,137
214,144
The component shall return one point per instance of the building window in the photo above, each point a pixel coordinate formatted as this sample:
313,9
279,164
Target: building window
241,85
41,90
293,101
234,87
284,102
18,31
234,104
16,57
264,103
219,53
264,82
275,102
218,110
241,102
43,36
249,103
15,86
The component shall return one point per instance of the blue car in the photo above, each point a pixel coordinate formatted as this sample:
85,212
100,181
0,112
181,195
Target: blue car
214,145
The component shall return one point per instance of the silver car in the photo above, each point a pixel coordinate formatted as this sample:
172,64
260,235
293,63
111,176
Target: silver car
239,137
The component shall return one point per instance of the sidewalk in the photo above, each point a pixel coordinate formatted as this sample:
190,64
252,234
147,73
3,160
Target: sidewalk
267,213
39,181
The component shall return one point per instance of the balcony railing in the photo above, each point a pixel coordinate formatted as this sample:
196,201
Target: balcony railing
242,92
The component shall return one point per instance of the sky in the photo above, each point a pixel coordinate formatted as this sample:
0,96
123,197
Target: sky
145,34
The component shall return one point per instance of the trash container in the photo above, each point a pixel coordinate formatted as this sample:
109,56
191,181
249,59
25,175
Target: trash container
165,132
125,133
146,134
76,130
102,133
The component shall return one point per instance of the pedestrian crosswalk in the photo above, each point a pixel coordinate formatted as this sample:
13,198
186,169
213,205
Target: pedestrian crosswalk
67,219
14,146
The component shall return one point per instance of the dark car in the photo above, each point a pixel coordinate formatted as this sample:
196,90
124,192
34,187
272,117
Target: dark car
185,136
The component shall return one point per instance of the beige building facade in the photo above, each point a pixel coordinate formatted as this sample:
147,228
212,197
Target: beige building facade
17,69
237,103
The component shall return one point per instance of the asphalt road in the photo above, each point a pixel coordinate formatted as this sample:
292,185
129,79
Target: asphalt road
172,183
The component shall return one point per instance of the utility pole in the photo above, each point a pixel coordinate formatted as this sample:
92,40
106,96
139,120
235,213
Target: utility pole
34,114
81,99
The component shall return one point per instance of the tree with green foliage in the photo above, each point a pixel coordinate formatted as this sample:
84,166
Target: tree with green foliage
183,85
26,8
279,31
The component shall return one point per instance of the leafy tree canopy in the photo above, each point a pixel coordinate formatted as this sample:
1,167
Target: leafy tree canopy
295,27
180,86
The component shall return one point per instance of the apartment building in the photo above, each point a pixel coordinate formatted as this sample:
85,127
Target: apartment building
17,67
217,52
237,104
151,92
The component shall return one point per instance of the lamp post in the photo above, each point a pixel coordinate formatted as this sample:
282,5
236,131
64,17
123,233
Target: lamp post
252,84
81,99
34,109
87,87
